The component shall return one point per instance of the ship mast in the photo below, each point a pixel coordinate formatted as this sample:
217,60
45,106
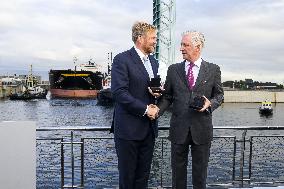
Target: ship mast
30,80
75,59
109,63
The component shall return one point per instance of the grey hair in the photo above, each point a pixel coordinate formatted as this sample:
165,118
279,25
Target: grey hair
141,28
197,38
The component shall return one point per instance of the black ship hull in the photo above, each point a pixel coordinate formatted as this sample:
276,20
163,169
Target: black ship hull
265,111
28,96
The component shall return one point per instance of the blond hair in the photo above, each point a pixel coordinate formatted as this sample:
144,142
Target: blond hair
141,28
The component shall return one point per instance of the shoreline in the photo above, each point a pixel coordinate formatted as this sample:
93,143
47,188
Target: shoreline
234,96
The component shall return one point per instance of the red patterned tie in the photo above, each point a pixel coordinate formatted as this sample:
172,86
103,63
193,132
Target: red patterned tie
190,76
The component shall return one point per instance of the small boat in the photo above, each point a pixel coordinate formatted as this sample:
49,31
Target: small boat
21,96
266,108
104,96
30,90
29,93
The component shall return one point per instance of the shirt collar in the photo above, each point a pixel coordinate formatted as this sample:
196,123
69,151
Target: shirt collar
196,63
140,53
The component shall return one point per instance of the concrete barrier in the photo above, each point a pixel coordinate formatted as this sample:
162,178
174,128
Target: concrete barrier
253,96
18,155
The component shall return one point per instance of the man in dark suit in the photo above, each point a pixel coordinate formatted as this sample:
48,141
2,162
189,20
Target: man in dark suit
191,78
134,131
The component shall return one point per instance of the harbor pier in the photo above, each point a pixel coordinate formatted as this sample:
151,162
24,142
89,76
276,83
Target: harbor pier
252,96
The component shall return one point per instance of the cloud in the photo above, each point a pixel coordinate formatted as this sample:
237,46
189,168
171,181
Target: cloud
58,30
243,37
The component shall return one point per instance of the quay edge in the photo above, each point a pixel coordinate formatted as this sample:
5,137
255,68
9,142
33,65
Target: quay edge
253,96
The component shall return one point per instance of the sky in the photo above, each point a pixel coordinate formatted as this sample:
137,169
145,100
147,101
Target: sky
244,37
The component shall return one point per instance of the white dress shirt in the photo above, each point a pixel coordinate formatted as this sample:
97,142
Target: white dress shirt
147,64
148,67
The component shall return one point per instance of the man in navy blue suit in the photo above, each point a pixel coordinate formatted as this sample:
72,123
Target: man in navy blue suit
134,127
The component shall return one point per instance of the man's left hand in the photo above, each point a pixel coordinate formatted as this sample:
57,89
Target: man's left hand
206,105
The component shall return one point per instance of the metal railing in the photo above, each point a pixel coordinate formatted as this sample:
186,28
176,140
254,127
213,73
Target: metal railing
84,157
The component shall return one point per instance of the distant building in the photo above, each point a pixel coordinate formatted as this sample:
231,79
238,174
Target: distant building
44,84
37,78
249,84
9,85
267,85
228,84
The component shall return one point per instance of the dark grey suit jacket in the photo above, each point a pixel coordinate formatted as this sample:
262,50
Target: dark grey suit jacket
178,94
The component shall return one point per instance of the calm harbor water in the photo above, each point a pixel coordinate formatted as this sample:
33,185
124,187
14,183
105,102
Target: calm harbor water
56,113
100,158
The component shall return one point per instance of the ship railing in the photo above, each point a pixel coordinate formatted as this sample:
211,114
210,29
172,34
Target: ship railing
84,157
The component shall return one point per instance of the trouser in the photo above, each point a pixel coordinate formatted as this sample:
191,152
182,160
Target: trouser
179,161
134,161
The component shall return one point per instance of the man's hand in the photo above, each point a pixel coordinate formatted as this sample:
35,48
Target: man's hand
206,105
153,111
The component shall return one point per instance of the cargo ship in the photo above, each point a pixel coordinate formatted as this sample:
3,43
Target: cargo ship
83,82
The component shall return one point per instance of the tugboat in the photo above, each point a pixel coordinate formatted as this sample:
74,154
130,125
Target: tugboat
30,90
20,96
266,108
104,96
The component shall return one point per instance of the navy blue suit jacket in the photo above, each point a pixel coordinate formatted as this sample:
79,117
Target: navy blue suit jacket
129,85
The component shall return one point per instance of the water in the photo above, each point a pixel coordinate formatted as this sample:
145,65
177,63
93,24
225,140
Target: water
56,113
246,114
100,158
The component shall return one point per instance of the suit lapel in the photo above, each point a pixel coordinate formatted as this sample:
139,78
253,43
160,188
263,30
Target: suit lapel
154,65
203,73
181,72
201,78
139,64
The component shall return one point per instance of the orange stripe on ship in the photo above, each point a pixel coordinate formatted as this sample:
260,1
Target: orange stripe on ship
75,75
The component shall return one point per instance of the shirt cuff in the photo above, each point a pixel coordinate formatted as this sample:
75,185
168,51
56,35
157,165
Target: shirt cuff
146,111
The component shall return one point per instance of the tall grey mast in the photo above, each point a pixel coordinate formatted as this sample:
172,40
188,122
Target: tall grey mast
164,18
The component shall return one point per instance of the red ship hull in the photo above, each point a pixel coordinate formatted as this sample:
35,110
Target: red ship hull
65,93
